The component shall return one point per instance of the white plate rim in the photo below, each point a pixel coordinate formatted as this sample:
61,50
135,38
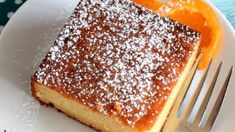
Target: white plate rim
23,6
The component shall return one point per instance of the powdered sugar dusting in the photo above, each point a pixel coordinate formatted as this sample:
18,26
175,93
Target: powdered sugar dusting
118,58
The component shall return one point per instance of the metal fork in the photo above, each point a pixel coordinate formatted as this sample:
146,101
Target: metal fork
177,123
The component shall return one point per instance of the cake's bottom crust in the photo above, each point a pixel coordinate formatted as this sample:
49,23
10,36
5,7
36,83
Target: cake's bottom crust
97,120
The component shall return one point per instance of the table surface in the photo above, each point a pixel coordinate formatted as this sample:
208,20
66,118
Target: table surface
8,7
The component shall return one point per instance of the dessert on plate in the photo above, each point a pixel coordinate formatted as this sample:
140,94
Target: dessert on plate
116,66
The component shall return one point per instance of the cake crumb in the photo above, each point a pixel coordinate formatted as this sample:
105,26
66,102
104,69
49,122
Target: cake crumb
99,106
117,107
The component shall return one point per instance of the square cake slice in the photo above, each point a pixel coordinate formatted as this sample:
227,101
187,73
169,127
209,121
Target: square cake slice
116,66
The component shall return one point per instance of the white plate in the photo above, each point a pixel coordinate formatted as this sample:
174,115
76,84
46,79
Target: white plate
23,43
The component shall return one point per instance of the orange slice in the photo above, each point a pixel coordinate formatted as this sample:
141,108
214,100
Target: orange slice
150,4
198,15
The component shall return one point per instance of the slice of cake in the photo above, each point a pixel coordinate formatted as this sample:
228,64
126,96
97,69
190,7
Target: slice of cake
116,66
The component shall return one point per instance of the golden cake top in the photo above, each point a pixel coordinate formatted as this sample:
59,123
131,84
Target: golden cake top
118,58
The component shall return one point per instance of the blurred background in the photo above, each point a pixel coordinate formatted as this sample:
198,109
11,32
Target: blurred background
8,7
227,7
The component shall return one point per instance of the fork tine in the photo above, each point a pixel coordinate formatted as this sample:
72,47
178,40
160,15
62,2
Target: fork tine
189,80
194,97
207,97
219,101
172,122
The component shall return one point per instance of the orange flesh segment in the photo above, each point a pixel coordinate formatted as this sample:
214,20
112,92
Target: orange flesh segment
198,15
